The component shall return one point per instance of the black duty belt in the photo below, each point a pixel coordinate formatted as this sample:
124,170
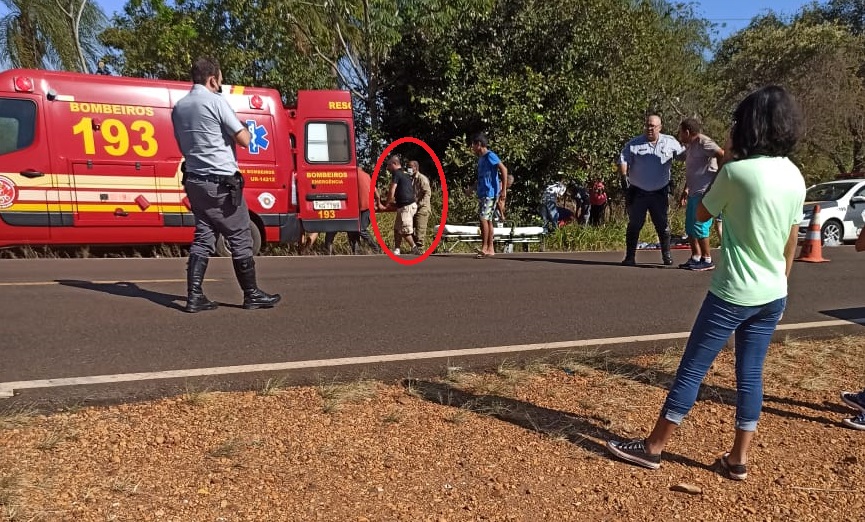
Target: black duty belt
215,178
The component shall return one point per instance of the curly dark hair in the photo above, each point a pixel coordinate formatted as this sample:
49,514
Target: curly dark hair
768,122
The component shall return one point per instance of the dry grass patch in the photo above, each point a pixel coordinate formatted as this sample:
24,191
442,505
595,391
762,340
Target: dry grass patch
337,394
55,437
786,363
273,386
231,448
17,417
458,416
10,489
125,486
196,396
12,509
393,417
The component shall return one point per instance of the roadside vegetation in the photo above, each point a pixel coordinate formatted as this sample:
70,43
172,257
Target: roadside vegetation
558,85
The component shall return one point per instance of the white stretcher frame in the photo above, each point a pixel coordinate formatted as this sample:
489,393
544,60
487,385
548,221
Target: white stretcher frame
506,233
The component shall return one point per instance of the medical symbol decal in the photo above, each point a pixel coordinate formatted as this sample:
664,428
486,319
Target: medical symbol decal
7,192
258,140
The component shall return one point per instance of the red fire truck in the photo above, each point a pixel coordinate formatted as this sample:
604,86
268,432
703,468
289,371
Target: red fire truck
87,160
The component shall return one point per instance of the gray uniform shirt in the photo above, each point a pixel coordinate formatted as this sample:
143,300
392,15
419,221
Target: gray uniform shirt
204,127
649,165
701,165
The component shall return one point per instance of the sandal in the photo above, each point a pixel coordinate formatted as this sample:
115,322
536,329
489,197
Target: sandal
734,471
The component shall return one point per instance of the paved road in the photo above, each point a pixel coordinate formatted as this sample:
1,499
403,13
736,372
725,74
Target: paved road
85,317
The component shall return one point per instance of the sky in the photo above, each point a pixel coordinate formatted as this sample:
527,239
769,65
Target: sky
736,14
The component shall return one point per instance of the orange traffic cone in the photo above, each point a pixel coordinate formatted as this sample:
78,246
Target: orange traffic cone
812,247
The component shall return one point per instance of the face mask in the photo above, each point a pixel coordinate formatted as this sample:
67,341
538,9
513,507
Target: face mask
219,88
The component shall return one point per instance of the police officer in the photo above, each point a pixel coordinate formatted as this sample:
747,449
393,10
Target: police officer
645,164
206,130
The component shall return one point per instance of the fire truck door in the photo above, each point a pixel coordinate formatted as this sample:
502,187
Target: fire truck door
25,169
115,194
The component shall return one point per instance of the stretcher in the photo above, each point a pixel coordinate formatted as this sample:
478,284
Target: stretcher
504,233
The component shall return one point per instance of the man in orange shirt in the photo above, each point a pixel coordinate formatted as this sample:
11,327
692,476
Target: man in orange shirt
363,183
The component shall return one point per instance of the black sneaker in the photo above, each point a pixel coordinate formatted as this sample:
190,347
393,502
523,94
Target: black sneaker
702,266
734,471
688,264
857,423
667,259
635,453
629,261
854,400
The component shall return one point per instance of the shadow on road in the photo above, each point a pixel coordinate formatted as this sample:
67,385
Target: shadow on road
124,289
506,257
716,394
577,430
854,315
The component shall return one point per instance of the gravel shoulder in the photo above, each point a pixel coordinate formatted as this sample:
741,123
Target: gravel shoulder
516,443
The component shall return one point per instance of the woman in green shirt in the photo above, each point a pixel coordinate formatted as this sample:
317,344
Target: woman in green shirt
760,193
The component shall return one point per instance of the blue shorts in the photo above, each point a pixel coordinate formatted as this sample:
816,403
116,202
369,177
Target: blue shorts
485,208
694,228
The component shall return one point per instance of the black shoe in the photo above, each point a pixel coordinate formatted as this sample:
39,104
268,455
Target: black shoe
734,471
688,264
854,400
635,453
253,297
629,261
666,258
196,301
857,422
259,299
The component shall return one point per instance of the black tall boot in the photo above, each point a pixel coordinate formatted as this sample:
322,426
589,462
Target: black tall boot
253,297
196,301
666,256
631,238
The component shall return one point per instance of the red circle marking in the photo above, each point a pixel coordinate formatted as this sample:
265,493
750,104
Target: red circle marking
7,192
444,216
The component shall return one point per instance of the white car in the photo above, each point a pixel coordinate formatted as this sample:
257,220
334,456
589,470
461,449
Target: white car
842,210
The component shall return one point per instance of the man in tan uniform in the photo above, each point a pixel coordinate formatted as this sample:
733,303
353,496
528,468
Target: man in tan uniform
422,193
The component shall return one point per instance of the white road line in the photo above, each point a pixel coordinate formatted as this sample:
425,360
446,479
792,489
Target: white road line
7,389
135,281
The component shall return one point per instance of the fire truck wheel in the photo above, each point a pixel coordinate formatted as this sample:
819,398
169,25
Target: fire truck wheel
222,249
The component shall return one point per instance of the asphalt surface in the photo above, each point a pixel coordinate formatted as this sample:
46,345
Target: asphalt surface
82,317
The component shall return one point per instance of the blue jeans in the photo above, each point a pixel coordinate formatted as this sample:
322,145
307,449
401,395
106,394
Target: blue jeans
754,326
550,214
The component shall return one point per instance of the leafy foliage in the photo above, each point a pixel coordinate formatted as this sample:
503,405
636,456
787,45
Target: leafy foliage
820,63
156,40
557,85
38,34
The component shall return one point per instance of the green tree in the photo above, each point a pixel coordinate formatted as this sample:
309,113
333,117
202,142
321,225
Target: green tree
83,20
820,63
557,85
156,40
848,12
57,34
355,38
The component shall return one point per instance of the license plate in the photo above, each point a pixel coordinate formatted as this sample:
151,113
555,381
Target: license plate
326,205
